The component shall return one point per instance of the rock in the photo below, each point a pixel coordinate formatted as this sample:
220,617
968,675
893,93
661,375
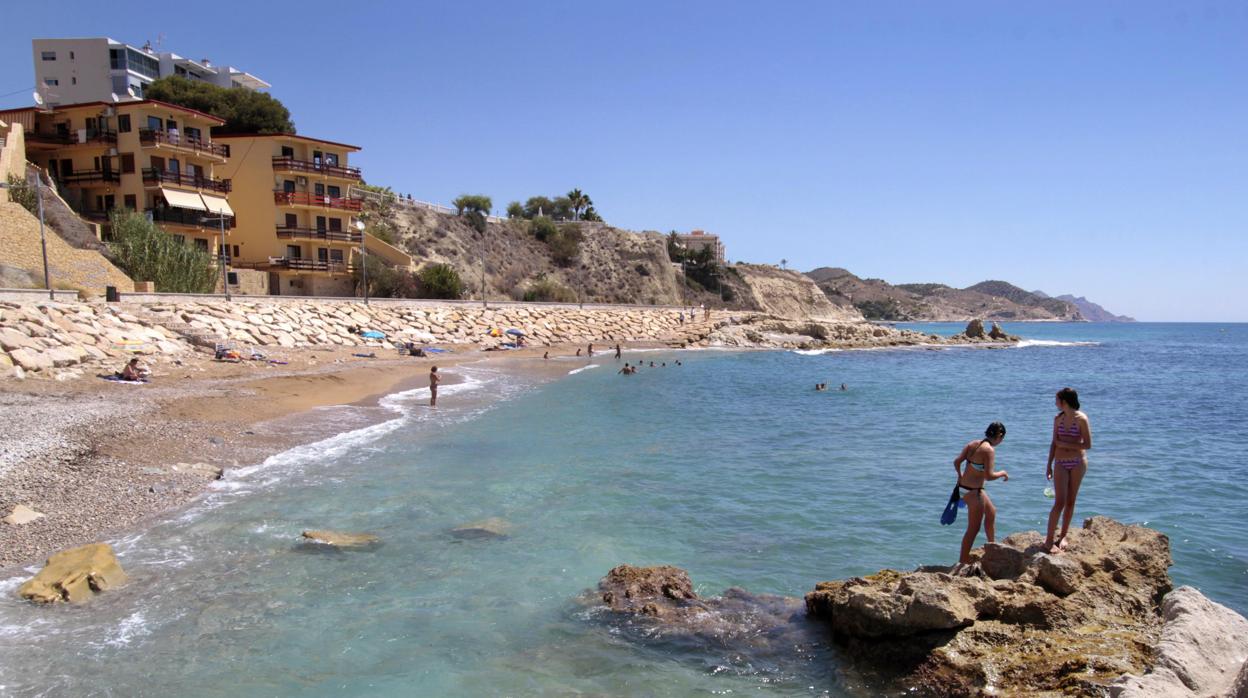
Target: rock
1201,653
1240,689
22,515
74,575
997,332
648,590
974,329
30,359
206,470
11,339
1058,574
342,540
493,527
1002,561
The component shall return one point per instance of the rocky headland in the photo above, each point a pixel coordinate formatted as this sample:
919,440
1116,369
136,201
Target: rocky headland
1100,618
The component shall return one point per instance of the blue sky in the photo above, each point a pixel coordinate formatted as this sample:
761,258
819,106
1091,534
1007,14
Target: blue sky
1093,148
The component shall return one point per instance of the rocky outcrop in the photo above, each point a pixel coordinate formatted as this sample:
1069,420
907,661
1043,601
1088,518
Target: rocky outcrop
1202,651
342,540
1017,620
788,294
52,338
75,575
975,333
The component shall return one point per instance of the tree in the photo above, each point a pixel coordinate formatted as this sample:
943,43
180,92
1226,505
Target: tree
244,110
562,209
515,210
147,253
578,202
676,252
440,281
784,263
543,228
538,206
591,215
478,203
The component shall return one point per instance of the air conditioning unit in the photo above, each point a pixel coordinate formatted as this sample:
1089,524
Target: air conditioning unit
112,152
303,181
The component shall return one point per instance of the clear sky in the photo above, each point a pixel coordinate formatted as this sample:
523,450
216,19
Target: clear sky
1093,148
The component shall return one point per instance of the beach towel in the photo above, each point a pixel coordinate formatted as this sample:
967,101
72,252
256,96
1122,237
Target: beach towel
118,379
432,350
372,334
950,513
366,356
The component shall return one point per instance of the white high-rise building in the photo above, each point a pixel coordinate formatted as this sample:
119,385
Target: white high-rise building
73,71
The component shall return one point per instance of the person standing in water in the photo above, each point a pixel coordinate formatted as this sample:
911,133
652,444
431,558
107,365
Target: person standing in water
590,349
434,379
980,457
1072,437
617,352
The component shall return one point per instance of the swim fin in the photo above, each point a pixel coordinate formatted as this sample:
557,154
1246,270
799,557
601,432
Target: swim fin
951,509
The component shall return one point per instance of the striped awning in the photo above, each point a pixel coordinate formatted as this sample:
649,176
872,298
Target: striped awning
183,199
217,205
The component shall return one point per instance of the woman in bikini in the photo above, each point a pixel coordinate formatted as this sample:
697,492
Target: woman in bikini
1068,461
980,457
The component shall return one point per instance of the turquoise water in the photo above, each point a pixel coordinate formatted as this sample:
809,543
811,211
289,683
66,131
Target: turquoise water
729,466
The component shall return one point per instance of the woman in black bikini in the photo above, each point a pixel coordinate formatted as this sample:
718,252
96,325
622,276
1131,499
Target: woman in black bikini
978,506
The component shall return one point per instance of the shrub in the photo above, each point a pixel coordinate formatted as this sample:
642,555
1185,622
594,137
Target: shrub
472,203
566,245
515,210
543,228
440,281
147,253
548,290
22,193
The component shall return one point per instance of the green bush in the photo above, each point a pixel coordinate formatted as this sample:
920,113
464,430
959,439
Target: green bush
244,110
543,228
550,291
565,246
147,253
22,193
478,203
440,281
515,210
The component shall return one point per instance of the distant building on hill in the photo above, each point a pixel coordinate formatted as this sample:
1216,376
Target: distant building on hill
697,240
73,71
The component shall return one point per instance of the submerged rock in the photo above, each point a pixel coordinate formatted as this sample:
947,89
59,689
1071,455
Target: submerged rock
342,540
1017,621
493,527
74,575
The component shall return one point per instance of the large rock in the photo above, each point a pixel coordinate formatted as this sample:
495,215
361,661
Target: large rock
1017,621
649,590
492,527
74,575
342,540
1201,653
974,329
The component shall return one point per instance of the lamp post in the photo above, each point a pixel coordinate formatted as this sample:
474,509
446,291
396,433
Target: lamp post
43,240
223,257
359,225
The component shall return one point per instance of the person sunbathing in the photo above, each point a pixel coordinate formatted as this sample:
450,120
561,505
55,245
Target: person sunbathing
135,371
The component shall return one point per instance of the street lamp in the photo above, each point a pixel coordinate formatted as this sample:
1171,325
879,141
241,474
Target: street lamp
43,240
359,225
223,257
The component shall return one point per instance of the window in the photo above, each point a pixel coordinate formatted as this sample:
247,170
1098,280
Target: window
154,123
294,252
49,55
114,59
288,152
292,220
132,202
322,254
180,238
288,186
192,133
123,123
202,244
51,82
335,225
335,256
320,189
127,163
71,55
331,159
320,223
142,64
175,166
335,192
235,252
73,81
232,277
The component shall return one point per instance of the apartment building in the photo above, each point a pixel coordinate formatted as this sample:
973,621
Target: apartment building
298,221
697,240
74,71
143,155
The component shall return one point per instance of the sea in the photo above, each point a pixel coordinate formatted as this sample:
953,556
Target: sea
729,465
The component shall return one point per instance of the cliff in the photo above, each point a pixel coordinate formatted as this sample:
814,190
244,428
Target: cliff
787,294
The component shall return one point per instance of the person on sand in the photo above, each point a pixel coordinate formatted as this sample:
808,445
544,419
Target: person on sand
1072,437
980,457
434,379
134,371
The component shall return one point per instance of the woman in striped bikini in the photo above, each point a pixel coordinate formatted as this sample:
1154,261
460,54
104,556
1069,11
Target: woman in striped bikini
980,457
1068,461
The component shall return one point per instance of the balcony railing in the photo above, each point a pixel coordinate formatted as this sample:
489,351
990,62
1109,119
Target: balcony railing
173,215
297,264
93,136
318,234
185,179
87,177
285,164
152,137
303,198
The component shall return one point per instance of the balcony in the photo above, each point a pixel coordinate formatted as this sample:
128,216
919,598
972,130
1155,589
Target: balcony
297,264
184,216
151,138
285,164
152,175
318,234
82,178
96,137
303,198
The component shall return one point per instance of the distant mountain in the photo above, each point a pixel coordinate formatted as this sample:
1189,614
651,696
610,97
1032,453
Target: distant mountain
989,300
1093,312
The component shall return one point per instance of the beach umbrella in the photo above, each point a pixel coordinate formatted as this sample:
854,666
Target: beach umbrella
515,333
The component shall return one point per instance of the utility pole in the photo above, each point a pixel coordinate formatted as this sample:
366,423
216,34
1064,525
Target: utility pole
359,225
223,253
43,240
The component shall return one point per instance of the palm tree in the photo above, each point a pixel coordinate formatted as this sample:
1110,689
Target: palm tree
579,202
783,263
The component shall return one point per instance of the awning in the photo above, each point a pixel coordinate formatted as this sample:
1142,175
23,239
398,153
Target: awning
183,199
218,205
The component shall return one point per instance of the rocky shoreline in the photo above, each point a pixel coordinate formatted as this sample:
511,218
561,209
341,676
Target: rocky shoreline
1101,618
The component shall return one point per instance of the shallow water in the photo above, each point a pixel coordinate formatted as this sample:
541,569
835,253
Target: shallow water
730,466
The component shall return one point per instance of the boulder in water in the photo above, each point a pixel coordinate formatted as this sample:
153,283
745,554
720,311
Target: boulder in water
492,527
74,575
974,329
342,540
653,591
997,333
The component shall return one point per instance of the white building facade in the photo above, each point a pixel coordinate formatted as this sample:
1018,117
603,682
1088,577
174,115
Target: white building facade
72,71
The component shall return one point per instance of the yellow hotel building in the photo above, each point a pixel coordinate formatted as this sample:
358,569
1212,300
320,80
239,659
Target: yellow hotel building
297,220
144,155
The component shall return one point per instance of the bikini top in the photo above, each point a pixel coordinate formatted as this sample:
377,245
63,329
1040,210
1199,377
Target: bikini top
1071,431
977,466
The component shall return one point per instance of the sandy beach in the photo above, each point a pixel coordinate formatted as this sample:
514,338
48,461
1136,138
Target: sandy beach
98,458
